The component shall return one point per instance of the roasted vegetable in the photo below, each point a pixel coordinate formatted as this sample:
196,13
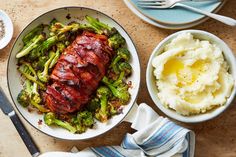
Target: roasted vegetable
39,64
58,28
125,70
36,31
30,96
34,43
29,73
83,121
116,41
122,54
43,76
50,119
47,44
60,48
103,93
120,91
93,105
99,27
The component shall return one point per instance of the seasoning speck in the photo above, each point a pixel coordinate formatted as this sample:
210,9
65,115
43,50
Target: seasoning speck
2,29
40,122
68,16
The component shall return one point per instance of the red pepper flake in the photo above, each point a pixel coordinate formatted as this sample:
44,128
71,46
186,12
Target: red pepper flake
40,122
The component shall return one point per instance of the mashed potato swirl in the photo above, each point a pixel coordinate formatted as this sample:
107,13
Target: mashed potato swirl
192,75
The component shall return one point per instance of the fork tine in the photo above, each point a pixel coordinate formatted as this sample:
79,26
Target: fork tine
144,1
152,7
152,4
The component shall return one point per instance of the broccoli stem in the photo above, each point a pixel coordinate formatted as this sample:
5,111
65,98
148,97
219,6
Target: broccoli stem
31,78
43,76
31,46
119,80
104,106
65,125
39,107
114,64
54,60
26,39
50,119
47,44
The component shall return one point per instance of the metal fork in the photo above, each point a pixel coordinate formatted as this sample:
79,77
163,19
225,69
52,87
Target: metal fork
162,4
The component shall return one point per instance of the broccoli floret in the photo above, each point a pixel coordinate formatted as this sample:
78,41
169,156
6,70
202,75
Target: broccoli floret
120,91
93,105
50,119
99,27
30,96
122,54
60,48
82,121
58,28
51,27
36,31
125,67
125,70
116,41
103,93
47,44
34,43
29,73
24,95
43,76
39,64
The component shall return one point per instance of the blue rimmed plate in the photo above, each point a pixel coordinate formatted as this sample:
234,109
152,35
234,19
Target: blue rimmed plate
132,7
178,15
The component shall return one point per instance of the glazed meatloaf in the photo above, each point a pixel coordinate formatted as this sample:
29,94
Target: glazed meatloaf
77,73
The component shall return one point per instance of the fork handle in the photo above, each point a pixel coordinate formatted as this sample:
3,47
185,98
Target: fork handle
223,19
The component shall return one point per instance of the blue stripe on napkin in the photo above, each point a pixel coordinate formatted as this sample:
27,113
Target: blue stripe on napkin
106,152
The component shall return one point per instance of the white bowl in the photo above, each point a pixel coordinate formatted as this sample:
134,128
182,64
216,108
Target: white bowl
151,80
14,78
8,26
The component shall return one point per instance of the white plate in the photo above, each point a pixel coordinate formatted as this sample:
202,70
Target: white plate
8,26
14,83
162,25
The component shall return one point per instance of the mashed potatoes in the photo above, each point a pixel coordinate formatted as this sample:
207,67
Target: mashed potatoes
192,76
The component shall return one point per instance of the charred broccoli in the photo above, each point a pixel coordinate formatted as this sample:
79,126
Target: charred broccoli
82,121
34,43
30,96
120,91
36,31
29,73
116,41
50,119
43,76
99,27
122,54
125,70
103,93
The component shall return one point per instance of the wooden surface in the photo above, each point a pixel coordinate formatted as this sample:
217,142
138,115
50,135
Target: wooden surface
215,138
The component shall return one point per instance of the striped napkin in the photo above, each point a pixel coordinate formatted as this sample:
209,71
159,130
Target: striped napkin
155,136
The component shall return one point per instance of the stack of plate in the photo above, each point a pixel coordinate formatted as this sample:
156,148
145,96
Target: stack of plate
175,18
